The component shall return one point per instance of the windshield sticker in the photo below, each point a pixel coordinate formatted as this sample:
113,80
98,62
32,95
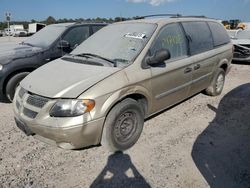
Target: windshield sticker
135,35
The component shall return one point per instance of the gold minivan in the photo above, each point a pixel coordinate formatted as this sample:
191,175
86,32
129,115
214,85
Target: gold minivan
102,91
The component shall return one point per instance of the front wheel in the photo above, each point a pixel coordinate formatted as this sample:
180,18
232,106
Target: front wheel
13,84
217,83
123,126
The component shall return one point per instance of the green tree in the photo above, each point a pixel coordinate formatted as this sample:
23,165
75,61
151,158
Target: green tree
50,20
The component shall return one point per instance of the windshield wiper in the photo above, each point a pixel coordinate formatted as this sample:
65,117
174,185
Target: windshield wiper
26,43
121,60
87,55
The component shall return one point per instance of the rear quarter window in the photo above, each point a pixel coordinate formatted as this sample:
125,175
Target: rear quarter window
199,37
219,34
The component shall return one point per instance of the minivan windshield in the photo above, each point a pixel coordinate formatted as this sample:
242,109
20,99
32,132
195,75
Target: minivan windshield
46,36
121,42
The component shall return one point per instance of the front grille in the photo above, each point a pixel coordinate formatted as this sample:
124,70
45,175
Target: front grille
29,104
21,92
37,101
29,113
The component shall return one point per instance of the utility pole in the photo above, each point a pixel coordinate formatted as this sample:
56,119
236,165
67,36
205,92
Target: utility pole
8,15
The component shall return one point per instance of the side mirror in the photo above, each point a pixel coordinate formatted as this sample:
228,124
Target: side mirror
159,57
64,45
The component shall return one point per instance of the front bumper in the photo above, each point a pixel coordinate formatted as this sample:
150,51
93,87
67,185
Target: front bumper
67,133
76,137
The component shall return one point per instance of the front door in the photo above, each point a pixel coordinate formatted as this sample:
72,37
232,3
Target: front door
172,79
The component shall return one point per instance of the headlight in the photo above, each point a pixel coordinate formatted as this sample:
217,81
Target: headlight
71,108
1,67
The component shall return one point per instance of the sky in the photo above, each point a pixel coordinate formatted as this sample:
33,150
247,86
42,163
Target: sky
25,10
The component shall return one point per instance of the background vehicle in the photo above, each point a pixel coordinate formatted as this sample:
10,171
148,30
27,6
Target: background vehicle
20,33
1,33
52,42
15,28
103,90
241,41
7,32
35,27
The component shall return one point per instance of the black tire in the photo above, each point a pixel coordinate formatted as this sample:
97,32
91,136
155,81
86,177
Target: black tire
13,84
217,83
123,126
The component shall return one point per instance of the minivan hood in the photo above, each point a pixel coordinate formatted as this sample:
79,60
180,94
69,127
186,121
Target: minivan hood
10,51
64,79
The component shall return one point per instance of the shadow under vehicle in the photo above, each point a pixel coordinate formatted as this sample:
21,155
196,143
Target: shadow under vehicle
119,172
52,42
222,151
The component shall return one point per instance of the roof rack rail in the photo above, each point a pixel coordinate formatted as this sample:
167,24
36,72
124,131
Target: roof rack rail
170,15
158,15
202,16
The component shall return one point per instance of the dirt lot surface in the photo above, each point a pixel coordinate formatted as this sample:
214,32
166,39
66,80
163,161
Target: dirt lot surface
7,40
202,142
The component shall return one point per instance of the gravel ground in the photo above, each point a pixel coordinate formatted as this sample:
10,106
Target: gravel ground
202,142
11,39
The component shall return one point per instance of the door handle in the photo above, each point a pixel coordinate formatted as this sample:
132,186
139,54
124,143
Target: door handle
197,66
187,70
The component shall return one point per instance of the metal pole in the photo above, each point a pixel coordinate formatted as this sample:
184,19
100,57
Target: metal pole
9,30
8,22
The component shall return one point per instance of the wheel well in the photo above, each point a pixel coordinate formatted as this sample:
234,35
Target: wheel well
13,74
141,99
224,67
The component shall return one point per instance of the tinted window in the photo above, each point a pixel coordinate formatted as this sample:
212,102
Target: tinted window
96,28
77,35
199,35
219,34
171,37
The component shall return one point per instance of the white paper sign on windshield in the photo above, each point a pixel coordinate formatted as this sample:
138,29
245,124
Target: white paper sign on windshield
135,35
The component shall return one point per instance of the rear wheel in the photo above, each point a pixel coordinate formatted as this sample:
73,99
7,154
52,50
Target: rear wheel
123,126
13,83
217,83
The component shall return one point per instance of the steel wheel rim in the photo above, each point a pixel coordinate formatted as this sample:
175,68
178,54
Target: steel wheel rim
125,127
220,83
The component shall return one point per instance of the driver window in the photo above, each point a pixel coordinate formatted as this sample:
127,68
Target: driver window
172,38
76,36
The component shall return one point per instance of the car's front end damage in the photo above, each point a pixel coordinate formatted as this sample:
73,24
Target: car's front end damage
241,42
241,53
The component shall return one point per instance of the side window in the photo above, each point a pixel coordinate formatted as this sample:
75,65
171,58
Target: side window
172,38
96,28
77,35
220,35
199,35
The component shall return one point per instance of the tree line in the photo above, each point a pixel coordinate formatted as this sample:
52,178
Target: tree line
52,20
